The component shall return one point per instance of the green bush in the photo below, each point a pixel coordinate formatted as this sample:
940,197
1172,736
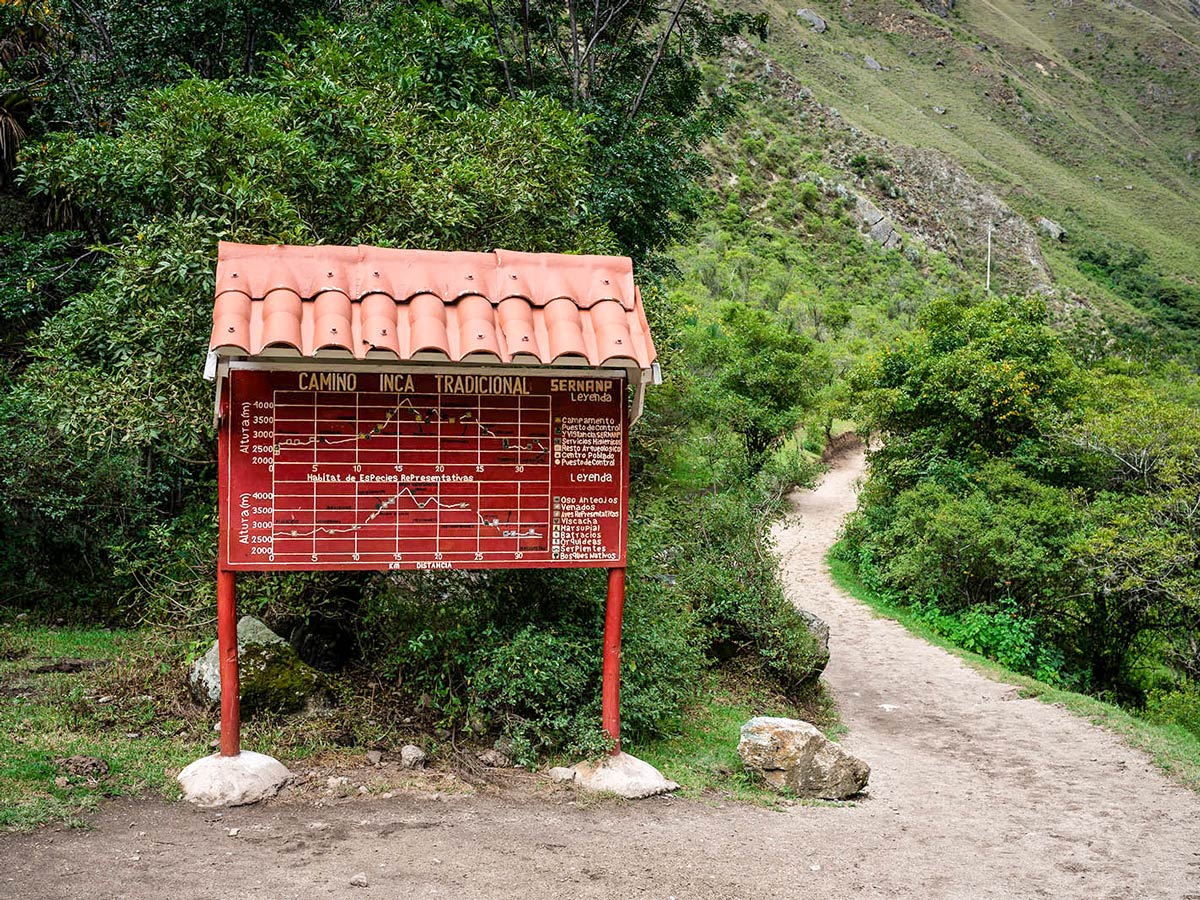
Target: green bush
1180,706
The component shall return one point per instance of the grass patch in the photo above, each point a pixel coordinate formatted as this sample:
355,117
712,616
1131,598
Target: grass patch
1172,748
46,715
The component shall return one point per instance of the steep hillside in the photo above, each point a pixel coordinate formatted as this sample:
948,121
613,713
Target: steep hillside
1083,110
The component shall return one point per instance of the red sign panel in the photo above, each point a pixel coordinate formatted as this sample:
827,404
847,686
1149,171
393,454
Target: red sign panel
416,469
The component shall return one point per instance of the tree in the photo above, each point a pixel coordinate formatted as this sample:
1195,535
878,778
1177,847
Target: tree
757,375
972,382
632,69
356,136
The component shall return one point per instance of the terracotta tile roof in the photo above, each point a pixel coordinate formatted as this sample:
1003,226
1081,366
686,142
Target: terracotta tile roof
369,302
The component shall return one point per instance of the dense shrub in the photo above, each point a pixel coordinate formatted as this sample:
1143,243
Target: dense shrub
1040,514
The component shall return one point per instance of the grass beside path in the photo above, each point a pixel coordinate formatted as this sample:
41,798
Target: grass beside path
120,696
1172,748
92,708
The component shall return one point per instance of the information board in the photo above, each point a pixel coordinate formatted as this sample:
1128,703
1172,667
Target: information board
421,469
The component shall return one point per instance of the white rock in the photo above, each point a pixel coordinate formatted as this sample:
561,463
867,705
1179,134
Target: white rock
623,775
359,880
217,780
562,773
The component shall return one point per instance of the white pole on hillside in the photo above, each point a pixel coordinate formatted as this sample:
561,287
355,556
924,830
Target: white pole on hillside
989,259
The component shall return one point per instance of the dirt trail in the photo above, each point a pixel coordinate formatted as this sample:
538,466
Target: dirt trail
973,794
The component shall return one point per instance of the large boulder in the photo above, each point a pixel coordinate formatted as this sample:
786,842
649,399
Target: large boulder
1052,228
818,24
271,674
793,755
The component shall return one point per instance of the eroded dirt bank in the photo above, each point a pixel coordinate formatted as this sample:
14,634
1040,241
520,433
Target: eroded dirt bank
973,794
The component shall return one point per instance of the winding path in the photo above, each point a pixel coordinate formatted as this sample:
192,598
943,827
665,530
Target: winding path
973,794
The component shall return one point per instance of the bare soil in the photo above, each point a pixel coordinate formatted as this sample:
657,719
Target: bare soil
974,793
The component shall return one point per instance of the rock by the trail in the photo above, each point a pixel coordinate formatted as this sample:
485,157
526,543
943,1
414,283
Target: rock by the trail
623,775
232,780
819,629
1053,229
374,757
82,766
818,24
412,757
494,759
271,674
560,774
792,754
359,880
871,63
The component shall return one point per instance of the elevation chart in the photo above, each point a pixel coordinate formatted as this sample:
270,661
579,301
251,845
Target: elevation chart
398,470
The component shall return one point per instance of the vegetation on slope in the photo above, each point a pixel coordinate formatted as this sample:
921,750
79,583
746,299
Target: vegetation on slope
1032,494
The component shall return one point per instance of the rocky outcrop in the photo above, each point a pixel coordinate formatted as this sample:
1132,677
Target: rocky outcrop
1051,228
271,674
940,8
818,24
791,754
874,224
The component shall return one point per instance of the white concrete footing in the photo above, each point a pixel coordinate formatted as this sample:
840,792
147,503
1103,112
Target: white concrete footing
233,780
623,775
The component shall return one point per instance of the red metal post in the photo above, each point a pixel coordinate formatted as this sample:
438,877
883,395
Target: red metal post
227,648
610,690
231,718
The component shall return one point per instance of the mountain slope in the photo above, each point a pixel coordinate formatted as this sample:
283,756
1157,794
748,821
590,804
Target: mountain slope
1083,112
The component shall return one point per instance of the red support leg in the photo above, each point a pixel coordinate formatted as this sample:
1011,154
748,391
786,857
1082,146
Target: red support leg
231,722
610,691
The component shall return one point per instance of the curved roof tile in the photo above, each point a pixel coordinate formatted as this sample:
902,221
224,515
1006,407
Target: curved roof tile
364,301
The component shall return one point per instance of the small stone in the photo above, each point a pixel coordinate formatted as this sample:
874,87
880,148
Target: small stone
412,757
872,64
335,781
359,880
374,757
560,774
940,110
82,766
494,759
232,832
363,789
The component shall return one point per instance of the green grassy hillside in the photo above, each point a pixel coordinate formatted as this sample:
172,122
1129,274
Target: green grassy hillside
1083,112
